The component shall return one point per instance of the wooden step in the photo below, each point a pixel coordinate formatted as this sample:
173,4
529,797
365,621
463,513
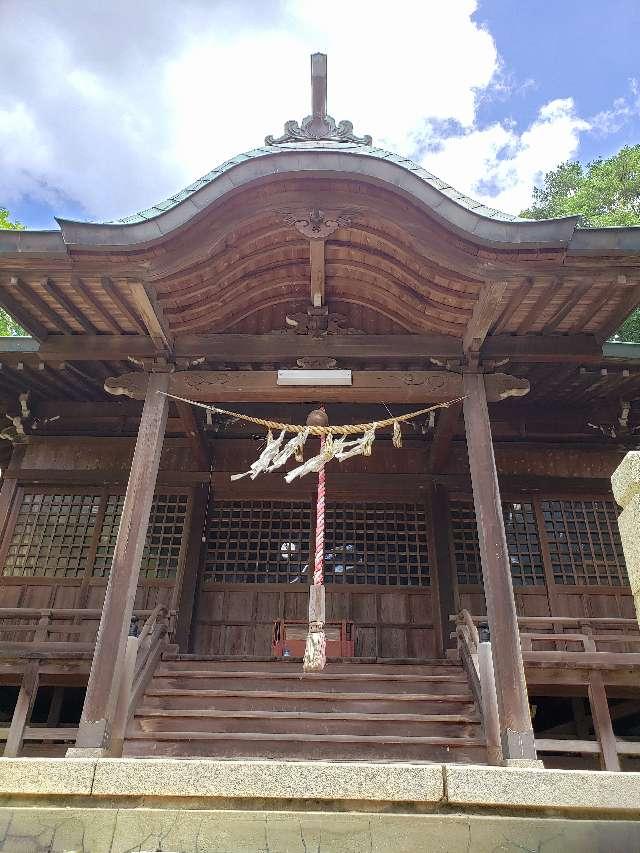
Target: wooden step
276,700
303,746
359,677
445,725
297,682
362,665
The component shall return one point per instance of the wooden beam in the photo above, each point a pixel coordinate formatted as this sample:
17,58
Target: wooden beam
197,439
208,386
513,701
441,444
108,659
261,349
121,304
144,298
316,258
484,314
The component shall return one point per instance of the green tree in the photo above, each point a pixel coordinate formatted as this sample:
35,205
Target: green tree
8,326
602,193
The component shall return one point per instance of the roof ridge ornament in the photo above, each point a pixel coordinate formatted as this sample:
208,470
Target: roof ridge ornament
318,126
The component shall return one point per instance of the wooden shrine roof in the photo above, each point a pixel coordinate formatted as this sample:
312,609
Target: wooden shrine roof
411,275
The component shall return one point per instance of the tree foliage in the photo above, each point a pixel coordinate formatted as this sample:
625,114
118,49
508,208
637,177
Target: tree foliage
603,193
8,326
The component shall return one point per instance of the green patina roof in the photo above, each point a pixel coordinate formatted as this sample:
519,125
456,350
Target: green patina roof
361,150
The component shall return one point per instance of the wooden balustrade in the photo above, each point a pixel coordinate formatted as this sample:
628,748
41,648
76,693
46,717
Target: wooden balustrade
587,633
141,658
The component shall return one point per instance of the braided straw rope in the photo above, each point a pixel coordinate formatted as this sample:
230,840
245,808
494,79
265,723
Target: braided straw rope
345,429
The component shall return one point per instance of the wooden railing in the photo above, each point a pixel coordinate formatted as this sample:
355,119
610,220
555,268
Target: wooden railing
477,660
142,655
575,641
141,659
53,630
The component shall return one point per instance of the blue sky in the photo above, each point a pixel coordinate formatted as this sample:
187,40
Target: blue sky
487,94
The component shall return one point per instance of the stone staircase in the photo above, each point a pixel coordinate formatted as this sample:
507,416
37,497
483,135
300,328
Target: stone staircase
204,707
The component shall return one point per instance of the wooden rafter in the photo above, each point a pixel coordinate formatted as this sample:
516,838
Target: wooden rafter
33,299
122,305
543,299
22,315
85,293
150,310
483,316
62,299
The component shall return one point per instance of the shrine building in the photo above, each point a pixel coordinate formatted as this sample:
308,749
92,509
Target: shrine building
477,605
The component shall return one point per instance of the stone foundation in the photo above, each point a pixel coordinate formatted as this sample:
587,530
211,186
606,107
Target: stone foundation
198,806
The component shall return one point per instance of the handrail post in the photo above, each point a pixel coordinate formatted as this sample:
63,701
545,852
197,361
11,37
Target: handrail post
121,714
490,718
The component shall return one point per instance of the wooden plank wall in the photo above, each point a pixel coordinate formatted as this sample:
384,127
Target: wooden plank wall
390,622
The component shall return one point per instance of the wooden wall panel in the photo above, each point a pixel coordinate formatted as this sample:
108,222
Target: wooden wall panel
238,619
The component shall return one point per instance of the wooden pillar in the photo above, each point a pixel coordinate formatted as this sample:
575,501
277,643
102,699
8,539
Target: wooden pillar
194,559
22,711
108,658
602,725
440,524
9,487
513,702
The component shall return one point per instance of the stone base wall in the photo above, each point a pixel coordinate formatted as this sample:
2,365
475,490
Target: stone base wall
194,806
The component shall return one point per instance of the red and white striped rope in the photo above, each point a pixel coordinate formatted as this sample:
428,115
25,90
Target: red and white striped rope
318,568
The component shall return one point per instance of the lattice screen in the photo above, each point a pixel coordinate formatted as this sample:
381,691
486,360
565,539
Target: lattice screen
584,542
161,555
523,543
258,542
55,535
271,542
382,544
52,535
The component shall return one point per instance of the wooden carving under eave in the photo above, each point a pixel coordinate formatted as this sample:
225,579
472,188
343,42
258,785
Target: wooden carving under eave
246,386
317,323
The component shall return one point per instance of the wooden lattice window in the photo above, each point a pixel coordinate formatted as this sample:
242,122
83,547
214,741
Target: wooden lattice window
382,544
161,555
584,542
258,542
523,543
52,535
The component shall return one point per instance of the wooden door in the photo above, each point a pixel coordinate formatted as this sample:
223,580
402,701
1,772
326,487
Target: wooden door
256,572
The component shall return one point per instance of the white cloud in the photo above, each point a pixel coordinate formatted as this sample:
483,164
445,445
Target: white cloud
499,166
124,103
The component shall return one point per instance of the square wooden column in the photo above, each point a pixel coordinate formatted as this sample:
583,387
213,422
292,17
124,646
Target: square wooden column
516,730
108,658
